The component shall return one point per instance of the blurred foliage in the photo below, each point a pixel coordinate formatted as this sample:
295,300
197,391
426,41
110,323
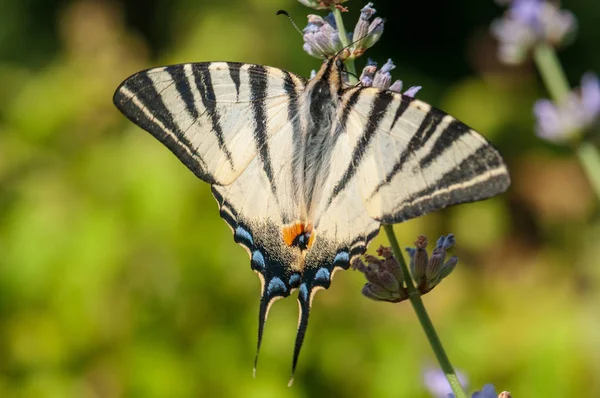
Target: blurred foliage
117,277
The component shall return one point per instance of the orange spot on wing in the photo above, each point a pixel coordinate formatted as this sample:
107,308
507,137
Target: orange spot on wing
292,231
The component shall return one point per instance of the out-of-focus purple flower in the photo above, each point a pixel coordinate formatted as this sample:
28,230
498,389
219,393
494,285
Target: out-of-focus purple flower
437,384
527,23
382,78
577,112
488,391
321,4
321,38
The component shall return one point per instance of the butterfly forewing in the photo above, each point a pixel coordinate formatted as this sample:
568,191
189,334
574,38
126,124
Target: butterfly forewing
410,158
207,113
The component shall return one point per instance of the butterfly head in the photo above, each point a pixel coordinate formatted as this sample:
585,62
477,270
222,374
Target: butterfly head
328,81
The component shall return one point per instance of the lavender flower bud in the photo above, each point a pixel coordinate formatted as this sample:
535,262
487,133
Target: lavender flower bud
366,34
377,292
411,92
383,77
447,268
366,77
375,32
419,261
396,86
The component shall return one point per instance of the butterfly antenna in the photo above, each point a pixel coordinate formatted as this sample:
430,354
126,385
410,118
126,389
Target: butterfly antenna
284,12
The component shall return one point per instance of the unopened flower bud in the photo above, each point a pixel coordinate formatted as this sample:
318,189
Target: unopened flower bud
383,77
375,32
448,267
366,34
396,86
411,92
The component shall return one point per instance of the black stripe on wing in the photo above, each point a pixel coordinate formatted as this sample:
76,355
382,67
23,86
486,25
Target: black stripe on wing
426,129
204,84
138,99
258,94
378,110
234,73
481,175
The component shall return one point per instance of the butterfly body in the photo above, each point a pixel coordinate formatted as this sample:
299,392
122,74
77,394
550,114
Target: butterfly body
305,172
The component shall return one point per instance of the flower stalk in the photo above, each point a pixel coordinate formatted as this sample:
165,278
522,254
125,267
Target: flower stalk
415,299
556,82
349,62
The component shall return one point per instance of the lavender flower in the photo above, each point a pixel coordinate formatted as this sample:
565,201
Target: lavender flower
428,272
382,78
436,382
527,23
488,392
321,38
577,112
384,276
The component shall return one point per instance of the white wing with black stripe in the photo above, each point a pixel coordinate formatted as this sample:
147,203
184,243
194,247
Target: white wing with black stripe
207,114
408,158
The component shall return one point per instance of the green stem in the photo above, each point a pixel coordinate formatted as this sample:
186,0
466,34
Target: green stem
417,303
590,161
551,71
349,62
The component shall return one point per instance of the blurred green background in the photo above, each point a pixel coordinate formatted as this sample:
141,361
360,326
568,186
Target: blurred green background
118,278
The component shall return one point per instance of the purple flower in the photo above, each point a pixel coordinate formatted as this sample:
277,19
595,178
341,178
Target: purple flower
436,382
577,112
427,271
488,392
527,23
366,33
321,38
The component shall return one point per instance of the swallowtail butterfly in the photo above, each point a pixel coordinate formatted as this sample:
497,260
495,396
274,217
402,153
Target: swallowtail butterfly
305,172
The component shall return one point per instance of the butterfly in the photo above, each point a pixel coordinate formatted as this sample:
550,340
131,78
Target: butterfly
306,172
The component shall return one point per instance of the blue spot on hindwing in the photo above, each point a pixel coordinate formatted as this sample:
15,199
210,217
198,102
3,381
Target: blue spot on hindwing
341,257
303,291
258,260
322,275
243,236
294,280
276,286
